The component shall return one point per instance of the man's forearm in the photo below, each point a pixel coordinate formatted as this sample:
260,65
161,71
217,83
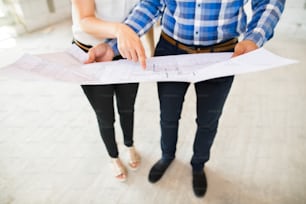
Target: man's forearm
266,14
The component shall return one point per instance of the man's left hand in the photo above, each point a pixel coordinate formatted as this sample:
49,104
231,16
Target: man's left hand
243,47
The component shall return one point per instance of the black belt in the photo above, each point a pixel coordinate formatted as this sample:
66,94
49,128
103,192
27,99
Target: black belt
81,45
86,48
220,47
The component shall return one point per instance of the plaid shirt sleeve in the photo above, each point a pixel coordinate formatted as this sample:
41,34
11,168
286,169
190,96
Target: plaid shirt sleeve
266,14
141,18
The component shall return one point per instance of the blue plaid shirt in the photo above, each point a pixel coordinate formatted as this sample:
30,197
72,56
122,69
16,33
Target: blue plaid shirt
207,22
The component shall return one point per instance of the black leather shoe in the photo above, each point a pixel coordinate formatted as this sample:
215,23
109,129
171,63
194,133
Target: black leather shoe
199,183
158,169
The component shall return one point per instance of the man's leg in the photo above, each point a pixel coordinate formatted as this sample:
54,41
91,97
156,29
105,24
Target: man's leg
211,96
171,98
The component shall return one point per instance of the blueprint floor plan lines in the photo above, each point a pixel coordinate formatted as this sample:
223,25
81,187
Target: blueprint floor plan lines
68,67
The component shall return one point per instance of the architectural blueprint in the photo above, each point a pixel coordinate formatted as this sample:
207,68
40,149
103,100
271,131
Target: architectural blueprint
68,67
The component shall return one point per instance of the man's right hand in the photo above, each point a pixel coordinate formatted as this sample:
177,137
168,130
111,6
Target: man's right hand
100,53
130,45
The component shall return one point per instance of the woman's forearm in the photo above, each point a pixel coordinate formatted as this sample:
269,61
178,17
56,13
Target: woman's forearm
99,28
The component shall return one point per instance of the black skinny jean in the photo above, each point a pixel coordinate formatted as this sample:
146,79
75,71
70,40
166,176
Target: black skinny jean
101,98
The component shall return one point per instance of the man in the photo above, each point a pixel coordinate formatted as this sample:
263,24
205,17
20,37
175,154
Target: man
196,26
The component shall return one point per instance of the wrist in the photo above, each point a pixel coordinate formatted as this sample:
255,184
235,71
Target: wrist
118,30
255,37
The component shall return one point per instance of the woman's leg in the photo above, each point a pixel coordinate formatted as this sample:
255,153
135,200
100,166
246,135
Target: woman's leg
101,100
126,95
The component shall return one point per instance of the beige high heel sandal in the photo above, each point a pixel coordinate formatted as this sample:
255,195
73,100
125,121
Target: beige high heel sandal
119,170
134,158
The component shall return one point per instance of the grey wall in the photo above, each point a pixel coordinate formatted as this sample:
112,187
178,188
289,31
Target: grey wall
31,15
293,21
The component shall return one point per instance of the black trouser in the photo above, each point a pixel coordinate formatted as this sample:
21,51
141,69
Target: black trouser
211,96
101,98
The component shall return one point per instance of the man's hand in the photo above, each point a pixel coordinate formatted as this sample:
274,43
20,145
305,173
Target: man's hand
243,47
130,45
100,53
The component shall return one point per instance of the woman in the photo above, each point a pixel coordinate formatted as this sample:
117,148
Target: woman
93,22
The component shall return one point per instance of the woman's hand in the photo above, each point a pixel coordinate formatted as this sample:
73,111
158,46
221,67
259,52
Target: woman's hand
100,53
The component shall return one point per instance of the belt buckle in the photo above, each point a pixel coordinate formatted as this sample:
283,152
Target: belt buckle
204,50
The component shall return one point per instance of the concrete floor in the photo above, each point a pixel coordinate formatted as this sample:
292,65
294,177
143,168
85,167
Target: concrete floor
51,151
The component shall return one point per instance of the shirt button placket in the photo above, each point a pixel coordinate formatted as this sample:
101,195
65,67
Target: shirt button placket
197,22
